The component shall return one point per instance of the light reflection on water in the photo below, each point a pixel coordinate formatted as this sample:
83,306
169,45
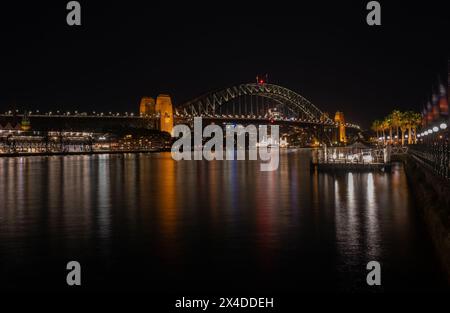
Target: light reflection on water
148,222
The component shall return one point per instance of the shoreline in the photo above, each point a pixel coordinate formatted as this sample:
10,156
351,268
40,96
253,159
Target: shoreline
31,154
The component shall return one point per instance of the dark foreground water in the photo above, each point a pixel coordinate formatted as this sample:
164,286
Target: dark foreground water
146,222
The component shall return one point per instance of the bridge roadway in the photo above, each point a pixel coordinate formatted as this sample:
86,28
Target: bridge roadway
179,119
81,122
99,122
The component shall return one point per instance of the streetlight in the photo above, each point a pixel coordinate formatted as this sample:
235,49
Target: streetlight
443,126
435,129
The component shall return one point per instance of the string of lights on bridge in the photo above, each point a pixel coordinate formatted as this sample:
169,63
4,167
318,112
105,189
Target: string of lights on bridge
224,117
73,114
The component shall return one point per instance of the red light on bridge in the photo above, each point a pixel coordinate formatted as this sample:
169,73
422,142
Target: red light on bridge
261,79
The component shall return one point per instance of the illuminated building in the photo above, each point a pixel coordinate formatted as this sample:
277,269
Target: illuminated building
25,124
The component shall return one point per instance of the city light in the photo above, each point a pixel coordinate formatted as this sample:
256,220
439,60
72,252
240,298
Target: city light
443,126
435,129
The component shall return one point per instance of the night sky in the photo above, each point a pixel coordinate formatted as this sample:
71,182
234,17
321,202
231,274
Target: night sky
124,51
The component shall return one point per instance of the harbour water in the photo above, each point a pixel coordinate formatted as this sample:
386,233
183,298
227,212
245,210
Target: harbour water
144,222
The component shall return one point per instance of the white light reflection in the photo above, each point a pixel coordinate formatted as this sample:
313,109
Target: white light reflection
103,215
372,219
346,219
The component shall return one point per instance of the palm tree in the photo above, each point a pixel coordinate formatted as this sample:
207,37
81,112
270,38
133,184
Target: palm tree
388,126
376,127
404,123
413,121
417,118
383,128
396,117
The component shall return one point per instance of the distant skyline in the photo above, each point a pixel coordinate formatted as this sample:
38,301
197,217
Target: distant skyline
123,52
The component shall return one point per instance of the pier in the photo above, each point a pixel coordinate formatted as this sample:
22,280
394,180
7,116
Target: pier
356,157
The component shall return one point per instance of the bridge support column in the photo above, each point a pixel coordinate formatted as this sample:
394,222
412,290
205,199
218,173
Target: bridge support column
147,110
165,110
339,119
147,106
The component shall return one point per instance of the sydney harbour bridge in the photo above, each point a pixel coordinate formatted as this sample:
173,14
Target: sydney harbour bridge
249,103
252,103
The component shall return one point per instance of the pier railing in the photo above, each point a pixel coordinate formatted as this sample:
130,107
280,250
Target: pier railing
350,155
434,155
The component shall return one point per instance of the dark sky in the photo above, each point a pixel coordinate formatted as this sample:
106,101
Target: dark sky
123,51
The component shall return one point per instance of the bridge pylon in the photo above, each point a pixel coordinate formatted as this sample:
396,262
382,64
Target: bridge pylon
340,120
161,108
164,108
147,106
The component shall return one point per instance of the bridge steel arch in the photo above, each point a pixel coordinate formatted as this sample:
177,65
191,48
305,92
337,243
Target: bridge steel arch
207,104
